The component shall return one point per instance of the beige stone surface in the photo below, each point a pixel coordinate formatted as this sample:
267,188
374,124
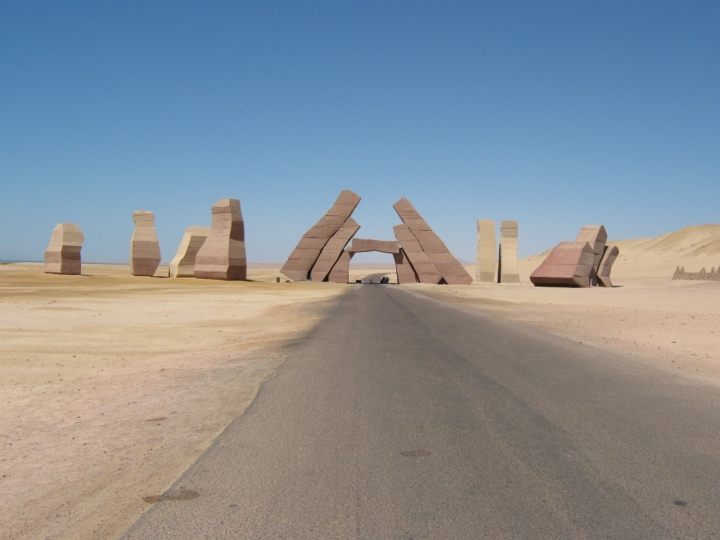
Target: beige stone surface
486,255
62,255
606,263
222,255
333,249
596,236
340,272
303,257
111,386
183,264
144,245
508,261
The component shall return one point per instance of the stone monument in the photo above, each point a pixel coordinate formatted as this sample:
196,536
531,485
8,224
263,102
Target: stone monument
144,246
596,236
508,263
447,265
608,259
222,255
183,264
570,264
307,252
485,261
62,255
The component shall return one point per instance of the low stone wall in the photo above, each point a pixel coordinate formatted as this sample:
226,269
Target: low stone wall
712,275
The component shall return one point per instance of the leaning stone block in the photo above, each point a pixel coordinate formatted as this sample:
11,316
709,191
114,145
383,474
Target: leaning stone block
222,255
453,272
303,257
340,273
568,265
62,255
183,264
405,272
333,249
608,259
426,271
596,236
144,246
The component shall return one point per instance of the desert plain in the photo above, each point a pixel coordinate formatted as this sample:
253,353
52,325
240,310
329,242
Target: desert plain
112,385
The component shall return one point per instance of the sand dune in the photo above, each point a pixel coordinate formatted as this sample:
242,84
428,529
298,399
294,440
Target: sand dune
693,247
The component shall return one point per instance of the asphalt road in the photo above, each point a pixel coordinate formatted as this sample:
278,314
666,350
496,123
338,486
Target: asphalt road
403,418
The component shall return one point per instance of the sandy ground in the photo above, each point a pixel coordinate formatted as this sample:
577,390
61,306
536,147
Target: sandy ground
112,385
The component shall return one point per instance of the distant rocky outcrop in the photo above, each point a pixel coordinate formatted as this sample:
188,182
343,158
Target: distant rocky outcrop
702,275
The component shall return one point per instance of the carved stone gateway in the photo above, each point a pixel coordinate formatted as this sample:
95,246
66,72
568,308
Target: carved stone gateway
420,256
62,255
222,255
144,246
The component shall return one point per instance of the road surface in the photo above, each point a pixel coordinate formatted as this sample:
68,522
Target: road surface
403,418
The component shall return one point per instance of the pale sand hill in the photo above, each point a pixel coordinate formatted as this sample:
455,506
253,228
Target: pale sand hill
693,247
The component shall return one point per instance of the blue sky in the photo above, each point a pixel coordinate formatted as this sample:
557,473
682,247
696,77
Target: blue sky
555,114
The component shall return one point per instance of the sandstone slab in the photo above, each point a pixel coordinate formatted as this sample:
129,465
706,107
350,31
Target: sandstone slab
333,249
222,255
446,264
144,245
62,255
508,265
183,264
570,264
306,253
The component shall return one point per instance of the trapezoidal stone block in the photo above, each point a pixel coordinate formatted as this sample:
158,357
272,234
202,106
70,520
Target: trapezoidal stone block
333,249
183,264
567,265
144,246
340,273
606,263
222,255
363,245
426,271
405,272
306,253
596,236
486,259
508,263
62,255
449,267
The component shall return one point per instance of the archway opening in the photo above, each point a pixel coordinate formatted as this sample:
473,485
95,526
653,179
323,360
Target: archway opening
372,266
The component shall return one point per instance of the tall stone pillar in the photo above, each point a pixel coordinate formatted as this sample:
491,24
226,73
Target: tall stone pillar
508,266
486,260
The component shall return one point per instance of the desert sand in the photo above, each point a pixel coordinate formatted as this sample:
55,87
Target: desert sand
112,385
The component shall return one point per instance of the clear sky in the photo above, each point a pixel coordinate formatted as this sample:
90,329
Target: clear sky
555,114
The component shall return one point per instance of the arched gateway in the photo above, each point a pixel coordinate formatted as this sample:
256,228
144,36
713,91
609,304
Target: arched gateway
420,256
